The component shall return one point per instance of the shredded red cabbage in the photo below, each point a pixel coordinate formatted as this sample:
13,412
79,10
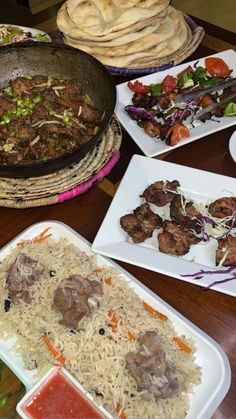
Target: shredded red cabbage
200,274
144,114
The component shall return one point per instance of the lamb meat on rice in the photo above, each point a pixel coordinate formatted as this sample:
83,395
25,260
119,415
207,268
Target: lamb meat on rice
150,369
23,273
75,298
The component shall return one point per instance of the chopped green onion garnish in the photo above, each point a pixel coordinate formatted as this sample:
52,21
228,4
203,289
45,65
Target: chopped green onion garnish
19,102
6,119
8,90
12,133
18,112
37,99
65,119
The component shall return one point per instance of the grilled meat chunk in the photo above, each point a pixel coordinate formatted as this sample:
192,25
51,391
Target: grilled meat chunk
141,223
160,192
223,207
149,367
226,249
151,128
23,273
175,239
75,297
184,213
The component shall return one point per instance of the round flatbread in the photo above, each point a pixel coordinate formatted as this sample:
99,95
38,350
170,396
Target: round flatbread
170,36
101,17
165,31
121,40
70,30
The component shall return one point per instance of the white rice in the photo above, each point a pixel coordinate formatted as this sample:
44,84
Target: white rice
97,361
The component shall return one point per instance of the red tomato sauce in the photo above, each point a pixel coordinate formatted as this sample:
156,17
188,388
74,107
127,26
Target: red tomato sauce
59,399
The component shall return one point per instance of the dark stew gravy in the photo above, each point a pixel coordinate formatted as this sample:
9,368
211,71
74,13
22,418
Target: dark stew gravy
42,118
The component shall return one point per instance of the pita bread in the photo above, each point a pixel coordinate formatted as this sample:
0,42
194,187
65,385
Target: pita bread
69,29
163,33
170,36
101,17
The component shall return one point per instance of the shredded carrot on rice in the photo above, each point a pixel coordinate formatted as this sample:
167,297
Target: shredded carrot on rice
38,239
97,271
108,280
131,336
120,411
53,350
153,311
182,345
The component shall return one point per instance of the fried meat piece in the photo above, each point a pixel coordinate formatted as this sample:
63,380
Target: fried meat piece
141,223
226,248
175,239
150,369
152,128
223,207
184,213
159,193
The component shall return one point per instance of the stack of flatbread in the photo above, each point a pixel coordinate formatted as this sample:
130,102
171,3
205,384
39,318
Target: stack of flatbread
127,33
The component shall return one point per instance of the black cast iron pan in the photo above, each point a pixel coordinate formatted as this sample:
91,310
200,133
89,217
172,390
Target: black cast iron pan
70,63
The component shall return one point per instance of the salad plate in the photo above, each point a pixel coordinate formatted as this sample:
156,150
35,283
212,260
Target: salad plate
153,146
196,185
215,375
232,146
10,34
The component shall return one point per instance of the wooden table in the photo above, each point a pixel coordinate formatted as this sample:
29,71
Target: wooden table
213,312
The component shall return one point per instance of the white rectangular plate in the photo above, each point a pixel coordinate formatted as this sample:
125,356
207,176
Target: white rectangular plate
154,146
216,374
198,185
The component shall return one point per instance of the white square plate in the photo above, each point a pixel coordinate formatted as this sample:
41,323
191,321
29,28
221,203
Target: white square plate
215,368
198,185
154,146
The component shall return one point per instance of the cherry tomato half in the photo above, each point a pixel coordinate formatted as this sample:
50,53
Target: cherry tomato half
217,67
169,84
138,87
177,132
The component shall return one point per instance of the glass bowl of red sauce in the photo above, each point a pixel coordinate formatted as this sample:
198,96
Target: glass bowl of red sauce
59,396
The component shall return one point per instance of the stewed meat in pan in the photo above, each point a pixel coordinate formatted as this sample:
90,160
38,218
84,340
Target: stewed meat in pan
42,118
149,367
75,298
21,276
140,224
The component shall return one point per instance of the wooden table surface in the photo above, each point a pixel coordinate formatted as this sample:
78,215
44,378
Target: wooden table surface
213,312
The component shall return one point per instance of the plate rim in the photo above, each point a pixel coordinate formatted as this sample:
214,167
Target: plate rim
232,146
